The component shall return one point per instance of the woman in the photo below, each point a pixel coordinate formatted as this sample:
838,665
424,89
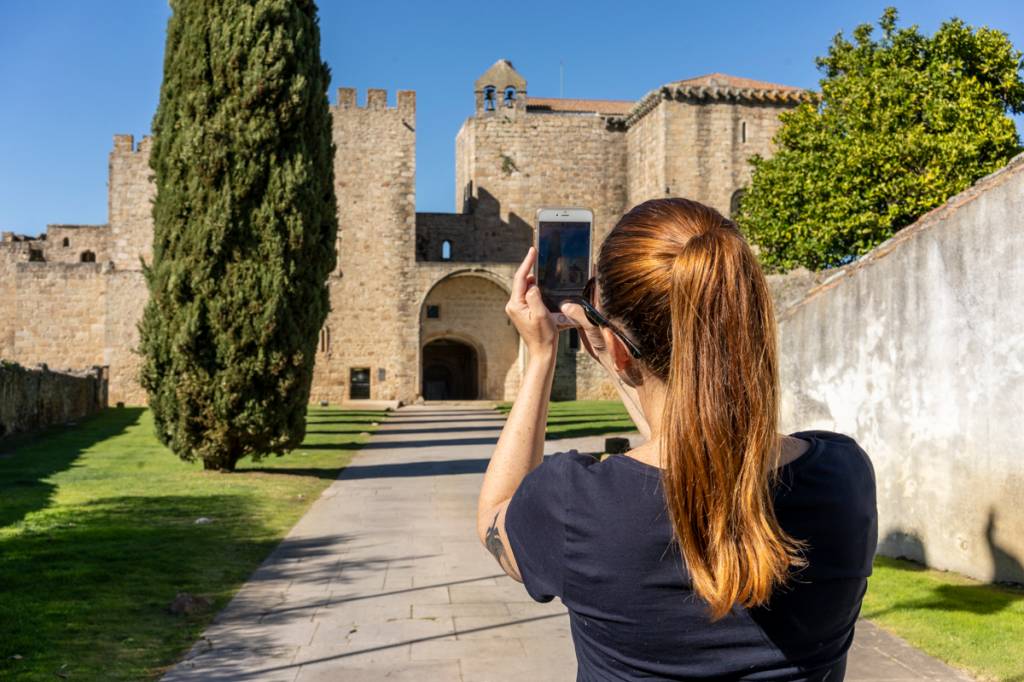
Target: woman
719,548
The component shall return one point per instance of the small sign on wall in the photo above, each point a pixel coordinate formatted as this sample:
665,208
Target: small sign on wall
381,374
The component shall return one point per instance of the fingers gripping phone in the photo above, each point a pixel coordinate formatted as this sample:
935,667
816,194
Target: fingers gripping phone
563,253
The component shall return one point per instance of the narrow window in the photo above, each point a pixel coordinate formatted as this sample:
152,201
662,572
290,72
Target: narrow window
434,312
743,132
66,243
574,340
88,257
490,92
510,96
325,340
446,250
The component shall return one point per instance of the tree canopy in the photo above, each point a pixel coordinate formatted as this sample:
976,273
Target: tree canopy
245,222
901,123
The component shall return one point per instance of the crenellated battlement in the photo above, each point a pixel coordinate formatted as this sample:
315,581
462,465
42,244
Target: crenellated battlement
377,100
125,144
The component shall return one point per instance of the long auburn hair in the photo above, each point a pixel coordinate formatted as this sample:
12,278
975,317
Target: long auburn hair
684,281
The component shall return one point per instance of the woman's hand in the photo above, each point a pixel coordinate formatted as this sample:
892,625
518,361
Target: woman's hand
591,336
536,325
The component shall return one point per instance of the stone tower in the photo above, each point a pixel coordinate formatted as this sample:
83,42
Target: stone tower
367,347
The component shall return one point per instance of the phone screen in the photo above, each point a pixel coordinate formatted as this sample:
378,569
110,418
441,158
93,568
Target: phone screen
563,260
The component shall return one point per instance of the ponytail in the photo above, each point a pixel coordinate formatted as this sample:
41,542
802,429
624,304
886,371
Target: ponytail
703,297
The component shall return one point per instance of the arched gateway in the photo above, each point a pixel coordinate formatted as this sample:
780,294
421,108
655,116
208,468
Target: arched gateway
449,371
468,347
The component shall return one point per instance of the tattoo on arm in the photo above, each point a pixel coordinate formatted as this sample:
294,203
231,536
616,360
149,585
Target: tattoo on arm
496,547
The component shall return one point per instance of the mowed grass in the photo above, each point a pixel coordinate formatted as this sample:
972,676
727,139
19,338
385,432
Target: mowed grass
576,418
98,534
971,625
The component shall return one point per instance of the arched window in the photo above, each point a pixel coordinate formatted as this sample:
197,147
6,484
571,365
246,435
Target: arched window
510,96
446,250
66,243
88,257
490,92
743,131
734,202
325,339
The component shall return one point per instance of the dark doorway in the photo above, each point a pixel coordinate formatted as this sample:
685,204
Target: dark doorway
449,371
359,383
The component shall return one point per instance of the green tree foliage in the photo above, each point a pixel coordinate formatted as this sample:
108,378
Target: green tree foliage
245,223
901,124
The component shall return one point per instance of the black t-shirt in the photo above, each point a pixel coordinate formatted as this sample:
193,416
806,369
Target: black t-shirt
597,535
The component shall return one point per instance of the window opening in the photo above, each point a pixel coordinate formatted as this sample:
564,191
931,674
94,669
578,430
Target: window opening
446,250
510,96
490,92
434,312
88,257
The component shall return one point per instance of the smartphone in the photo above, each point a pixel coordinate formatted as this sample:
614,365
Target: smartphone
563,253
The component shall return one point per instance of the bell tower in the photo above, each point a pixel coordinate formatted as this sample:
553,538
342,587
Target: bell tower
500,89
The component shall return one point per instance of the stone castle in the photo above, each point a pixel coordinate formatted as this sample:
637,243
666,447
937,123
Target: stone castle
417,298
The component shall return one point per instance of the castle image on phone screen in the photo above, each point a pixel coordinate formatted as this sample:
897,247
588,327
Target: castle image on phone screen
563,258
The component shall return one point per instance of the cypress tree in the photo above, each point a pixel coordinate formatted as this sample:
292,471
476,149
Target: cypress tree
245,221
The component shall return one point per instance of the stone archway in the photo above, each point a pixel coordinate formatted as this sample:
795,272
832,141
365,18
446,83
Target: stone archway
466,310
450,371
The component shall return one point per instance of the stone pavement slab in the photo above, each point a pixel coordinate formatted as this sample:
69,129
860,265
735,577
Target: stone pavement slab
384,578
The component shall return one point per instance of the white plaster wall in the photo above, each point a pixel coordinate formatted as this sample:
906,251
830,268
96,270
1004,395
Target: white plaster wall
917,351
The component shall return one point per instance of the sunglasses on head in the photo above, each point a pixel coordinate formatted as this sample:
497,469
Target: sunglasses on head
598,320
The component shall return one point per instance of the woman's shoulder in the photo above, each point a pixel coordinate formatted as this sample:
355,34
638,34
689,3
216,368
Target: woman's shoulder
834,475
832,450
567,462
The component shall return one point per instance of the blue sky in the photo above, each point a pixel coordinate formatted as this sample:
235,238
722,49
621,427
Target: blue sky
72,74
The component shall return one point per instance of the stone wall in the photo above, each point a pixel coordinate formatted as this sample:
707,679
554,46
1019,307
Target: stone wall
706,158
60,314
32,399
520,162
915,350
645,145
458,229
11,253
76,243
126,297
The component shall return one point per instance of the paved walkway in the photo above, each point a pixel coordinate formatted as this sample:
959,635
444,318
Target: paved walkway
384,578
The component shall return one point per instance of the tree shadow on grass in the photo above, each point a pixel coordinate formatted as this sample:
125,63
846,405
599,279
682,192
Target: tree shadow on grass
89,585
25,467
909,554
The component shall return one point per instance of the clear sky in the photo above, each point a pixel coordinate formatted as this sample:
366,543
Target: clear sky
74,73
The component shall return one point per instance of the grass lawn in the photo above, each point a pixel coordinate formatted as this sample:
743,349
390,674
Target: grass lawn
98,535
970,625
575,418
